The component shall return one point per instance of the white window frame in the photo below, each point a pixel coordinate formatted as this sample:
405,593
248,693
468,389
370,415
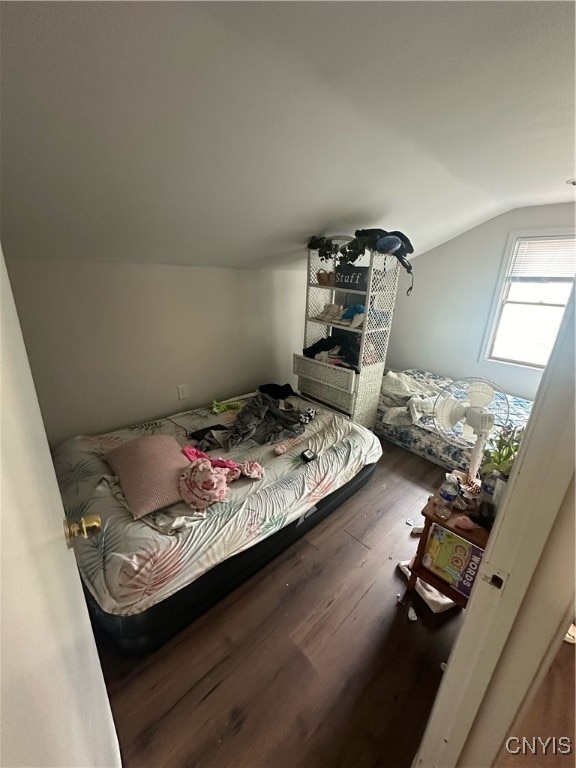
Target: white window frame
499,293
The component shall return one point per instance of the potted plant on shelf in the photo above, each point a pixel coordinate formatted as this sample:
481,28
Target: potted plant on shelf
342,255
501,450
328,253
497,462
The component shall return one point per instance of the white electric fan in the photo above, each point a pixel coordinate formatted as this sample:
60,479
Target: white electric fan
467,409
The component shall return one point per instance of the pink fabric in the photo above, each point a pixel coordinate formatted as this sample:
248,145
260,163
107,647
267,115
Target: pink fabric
225,463
206,480
202,484
248,468
148,469
465,523
252,469
192,453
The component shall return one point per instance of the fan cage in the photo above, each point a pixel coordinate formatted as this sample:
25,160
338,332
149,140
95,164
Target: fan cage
500,407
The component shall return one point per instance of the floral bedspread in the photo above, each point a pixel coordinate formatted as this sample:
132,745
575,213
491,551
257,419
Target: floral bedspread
133,564
423,439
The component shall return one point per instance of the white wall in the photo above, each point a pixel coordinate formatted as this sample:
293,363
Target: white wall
440,327
55,710
109,343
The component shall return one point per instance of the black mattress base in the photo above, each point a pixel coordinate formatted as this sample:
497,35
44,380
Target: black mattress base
146,631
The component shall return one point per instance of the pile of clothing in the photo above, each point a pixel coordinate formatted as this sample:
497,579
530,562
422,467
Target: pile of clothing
267,417
339,349
404,400
206,480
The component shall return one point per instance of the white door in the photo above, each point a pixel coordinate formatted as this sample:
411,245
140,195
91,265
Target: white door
523,599
54,706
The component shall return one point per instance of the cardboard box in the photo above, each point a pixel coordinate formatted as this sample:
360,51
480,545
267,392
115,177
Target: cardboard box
452,558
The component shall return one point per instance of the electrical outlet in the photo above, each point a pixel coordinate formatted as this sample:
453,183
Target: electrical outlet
182,392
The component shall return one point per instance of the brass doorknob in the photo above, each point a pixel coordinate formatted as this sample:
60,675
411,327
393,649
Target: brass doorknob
89,525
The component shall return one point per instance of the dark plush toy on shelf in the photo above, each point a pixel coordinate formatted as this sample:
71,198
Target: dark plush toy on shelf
385,242
395,243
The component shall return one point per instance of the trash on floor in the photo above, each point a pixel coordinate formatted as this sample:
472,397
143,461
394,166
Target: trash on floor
417,530
409,521
412,614
436,601
571,635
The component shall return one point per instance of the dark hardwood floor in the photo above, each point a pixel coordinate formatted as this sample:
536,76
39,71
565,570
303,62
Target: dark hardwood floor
309,664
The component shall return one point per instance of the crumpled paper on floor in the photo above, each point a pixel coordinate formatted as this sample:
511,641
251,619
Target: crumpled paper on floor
436,601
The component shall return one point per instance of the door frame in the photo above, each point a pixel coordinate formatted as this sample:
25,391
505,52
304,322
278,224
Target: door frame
54,708
539,489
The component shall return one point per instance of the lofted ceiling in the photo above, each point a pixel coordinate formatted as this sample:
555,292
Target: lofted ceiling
227,133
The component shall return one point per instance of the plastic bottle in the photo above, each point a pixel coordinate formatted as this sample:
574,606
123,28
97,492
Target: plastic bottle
487,505
443,502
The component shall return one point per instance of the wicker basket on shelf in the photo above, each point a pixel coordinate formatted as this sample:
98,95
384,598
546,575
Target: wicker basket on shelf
325,278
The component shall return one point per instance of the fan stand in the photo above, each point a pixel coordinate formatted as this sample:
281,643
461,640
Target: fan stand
476,458
466,401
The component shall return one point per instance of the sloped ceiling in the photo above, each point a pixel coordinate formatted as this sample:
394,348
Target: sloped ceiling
227,133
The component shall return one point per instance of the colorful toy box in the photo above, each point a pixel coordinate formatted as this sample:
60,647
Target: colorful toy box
452,558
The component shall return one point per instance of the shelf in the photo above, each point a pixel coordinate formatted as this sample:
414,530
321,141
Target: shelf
344,290
477,536
374,287
338,288
335,325
347,327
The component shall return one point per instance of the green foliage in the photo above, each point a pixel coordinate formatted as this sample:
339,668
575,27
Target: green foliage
351,251
343,254
500,451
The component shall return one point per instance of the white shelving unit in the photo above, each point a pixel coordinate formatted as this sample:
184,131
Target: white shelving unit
354,394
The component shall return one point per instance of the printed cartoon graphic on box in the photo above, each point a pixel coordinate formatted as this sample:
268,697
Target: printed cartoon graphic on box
452,558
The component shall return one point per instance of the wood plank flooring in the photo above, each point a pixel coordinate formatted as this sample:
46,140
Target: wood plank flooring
309,664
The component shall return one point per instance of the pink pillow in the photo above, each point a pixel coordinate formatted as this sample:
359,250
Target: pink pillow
148,470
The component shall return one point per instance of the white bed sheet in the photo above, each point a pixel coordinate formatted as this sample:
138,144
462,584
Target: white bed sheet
134,564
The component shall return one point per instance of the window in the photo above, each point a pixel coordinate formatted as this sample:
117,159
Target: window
537,285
